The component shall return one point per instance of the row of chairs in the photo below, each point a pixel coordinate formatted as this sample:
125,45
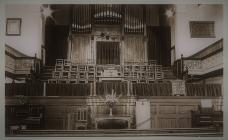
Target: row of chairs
66,65
67,72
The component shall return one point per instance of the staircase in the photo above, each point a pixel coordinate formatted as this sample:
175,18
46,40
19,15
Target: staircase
168,73
46,73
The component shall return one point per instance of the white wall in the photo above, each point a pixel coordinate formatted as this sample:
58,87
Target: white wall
30,40
184,13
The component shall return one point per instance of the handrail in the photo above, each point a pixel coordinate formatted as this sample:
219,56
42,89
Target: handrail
193,64
210,47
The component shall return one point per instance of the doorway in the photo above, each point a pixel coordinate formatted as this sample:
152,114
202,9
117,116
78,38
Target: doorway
108,53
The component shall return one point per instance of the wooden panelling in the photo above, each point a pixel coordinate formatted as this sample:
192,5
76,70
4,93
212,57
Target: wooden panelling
9,64
153,123
202,29
26,89
152,89
104,88
203,89
54,124
166,112
167,123
107,53
19,65
167,109
68,89
184,122
212,63
194,66
153,109
152,15
81,50
134,50
215,47
186,109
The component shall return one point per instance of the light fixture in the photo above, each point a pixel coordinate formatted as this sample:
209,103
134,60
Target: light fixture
170,12
46,11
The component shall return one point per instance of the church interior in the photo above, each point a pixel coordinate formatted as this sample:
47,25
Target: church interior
114,69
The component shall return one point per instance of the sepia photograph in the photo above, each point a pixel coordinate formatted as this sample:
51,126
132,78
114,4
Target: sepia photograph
98,70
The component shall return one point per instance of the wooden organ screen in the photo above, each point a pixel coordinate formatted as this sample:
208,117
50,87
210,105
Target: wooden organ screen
134,50
81,51
108,53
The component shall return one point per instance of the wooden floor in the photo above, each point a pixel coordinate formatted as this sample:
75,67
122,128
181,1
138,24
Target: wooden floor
185,132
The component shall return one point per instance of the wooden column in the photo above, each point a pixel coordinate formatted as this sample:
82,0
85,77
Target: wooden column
145,44
91,89
44,89
128,88
68,121
69,48
94,88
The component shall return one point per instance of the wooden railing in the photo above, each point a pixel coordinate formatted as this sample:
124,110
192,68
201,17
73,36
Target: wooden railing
103,88
203,90
207,60
25,89
68,90
17,63
217,46
121,89
194,67
22,65
152,89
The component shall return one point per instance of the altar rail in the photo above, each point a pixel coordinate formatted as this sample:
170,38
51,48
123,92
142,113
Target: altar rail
102,88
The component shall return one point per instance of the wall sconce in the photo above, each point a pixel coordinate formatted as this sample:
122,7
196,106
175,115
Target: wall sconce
170,12
46,11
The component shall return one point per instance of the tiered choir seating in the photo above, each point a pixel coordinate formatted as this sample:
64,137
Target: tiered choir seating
68,72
